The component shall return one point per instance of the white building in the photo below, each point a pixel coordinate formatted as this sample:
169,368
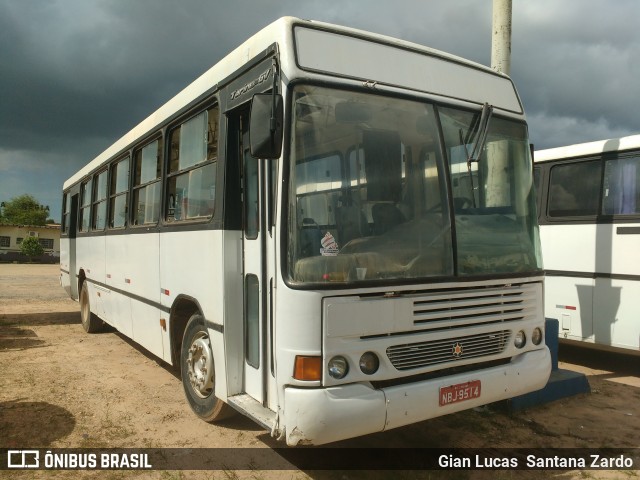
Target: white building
11,237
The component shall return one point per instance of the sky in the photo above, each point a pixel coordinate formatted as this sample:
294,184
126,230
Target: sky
76,75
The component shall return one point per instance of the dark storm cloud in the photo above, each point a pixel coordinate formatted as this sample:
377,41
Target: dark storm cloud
75,75
98,72
575,65
94,76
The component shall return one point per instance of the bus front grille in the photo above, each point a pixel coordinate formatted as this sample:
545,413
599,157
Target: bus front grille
409,356
465,307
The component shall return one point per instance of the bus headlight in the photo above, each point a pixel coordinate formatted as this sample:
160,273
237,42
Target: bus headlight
536,336
369,363
338,367
520,340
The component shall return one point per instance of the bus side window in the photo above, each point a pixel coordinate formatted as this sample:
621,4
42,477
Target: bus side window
85,205
192,167
621,195
146,183
573,189
66,210
119,194
99,205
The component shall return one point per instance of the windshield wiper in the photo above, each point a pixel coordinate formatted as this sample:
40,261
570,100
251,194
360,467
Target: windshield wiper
478,144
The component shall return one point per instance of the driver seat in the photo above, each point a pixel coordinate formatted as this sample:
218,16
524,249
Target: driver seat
385,217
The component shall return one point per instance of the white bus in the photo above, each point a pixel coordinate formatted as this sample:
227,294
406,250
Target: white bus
331,231
589,198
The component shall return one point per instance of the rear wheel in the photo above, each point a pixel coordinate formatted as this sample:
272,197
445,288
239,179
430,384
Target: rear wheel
198,374
90,322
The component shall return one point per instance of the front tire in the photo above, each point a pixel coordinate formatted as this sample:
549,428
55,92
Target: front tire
198,373
90,321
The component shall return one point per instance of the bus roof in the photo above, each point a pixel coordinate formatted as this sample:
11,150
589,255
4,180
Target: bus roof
589,148
282,32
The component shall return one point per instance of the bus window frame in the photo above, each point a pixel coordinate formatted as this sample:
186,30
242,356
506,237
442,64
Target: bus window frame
160,134
83,208
544,218
113,195
66,212
211,103
159,137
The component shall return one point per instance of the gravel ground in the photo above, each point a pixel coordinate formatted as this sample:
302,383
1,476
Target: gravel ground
62,388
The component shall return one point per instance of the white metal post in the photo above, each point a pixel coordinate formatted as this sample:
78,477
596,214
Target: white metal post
501,36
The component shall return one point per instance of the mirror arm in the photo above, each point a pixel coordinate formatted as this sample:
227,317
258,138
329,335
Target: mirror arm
273,121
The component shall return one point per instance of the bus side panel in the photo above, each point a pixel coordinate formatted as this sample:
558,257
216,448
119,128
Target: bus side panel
617,300
233,310
117,272
90,260
616,305
143,272
568,251
569,248
191,267
617,249
65,278
584,290
570,301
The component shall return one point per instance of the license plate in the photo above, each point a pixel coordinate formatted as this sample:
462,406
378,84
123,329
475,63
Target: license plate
459,392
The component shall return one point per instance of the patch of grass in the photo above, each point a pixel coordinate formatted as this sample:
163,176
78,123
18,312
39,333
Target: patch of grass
116,428
166,475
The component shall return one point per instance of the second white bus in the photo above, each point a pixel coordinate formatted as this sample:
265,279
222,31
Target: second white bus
589,198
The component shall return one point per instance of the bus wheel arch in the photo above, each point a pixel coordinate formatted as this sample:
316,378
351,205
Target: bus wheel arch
197,370
182,310
81,278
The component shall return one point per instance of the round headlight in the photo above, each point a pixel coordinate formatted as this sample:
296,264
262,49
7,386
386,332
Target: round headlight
338,367
536,336
520,340
369,363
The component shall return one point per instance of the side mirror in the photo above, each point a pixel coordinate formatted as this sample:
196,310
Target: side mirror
265,126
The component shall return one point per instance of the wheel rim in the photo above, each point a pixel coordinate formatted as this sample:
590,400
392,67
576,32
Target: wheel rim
200,365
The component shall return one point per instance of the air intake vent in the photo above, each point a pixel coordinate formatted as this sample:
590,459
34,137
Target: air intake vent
474,306
424,354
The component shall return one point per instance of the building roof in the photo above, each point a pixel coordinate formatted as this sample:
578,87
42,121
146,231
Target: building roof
50,226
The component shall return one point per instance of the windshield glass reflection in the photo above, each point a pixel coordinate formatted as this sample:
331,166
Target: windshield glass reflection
368,191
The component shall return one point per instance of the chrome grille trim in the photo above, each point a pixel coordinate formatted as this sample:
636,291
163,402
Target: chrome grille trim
423,354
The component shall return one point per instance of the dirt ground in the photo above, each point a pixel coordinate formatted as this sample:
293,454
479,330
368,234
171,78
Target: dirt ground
62,388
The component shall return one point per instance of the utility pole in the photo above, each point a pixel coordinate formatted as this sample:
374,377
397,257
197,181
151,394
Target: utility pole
501,37
497,188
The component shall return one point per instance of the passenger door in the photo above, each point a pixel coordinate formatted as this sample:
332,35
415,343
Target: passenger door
257,243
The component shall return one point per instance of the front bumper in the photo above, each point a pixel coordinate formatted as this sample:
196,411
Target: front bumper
318,416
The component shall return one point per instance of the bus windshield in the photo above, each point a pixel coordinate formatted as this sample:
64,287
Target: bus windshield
368,191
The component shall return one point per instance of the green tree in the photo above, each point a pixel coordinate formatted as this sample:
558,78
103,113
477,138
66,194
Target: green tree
31,247
24,210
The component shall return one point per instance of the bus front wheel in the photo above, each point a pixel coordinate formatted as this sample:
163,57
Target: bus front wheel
198,375
90,321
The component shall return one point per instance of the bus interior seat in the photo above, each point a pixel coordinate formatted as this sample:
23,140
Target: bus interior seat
460,204
310,238
351,224
385,217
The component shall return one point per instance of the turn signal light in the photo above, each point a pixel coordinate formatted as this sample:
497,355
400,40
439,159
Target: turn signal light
307,368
